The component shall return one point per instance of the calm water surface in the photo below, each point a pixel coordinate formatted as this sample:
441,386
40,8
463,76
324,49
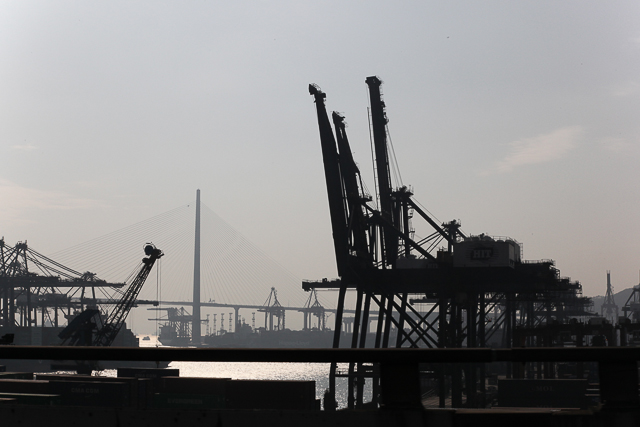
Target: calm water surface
318,372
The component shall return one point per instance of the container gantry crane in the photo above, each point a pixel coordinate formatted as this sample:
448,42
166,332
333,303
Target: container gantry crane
31,282
378,256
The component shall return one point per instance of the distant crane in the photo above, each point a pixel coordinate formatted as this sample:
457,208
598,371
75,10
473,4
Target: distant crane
313,308
631,307
273,308
609,307
176,329
88,328
31,282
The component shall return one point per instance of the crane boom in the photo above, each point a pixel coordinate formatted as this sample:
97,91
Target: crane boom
107,334
357,223
88,328
333,178
379,128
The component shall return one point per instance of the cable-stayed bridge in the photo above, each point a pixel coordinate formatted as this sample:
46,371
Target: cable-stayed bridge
234,272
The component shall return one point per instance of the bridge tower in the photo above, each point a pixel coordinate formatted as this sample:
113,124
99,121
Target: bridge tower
196,332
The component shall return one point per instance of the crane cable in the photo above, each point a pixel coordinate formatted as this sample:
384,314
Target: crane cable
158,297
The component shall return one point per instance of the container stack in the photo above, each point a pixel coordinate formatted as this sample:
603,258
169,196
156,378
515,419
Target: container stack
156,388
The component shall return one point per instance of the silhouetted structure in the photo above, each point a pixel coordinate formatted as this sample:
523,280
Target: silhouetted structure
38,296
479,287
609,309
196,332
273,309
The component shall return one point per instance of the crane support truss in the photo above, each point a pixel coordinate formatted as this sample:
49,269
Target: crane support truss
36,290
421,294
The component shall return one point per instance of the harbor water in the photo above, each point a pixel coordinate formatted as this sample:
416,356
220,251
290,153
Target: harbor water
318,372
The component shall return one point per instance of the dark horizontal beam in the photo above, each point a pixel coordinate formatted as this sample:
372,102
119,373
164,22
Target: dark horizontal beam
26,283
315,355
524,279
569,354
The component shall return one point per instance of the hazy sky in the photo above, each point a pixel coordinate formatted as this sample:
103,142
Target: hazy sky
519,119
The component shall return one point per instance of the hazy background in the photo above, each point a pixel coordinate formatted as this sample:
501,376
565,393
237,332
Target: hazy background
517,118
